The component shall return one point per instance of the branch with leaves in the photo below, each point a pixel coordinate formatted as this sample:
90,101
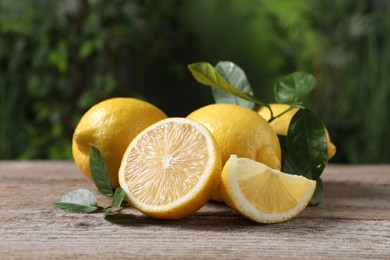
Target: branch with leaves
304,148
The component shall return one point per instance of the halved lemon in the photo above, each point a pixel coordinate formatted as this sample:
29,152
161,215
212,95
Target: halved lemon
263,194
171,169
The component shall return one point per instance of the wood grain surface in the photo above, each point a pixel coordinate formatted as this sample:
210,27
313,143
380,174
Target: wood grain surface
353,222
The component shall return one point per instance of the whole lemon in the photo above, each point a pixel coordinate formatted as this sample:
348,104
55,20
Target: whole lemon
280,124
240,131
110,126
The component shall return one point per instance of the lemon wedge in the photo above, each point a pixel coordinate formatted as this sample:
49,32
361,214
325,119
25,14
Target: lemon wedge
171,169
263,194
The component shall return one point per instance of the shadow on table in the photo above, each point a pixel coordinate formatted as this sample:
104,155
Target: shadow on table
212,214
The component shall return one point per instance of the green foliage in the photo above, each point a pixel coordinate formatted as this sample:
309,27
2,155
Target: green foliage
306,144
78,201
352,60
346,45
84,201
117,201
236,77
304,149
319,193
208,75
99,171
292,88
57,58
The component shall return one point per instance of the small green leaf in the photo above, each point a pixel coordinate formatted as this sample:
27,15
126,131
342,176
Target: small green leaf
318,195
75,208
306,144
292,88
237,78
99,171
116,201
79,201
207,75
118,198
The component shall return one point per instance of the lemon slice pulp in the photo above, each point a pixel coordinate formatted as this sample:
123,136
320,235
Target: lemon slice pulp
171,169
263,194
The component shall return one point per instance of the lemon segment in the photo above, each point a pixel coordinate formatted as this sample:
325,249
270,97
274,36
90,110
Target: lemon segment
263,194
171,169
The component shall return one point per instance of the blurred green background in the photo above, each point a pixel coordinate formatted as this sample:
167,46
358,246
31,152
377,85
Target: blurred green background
58,58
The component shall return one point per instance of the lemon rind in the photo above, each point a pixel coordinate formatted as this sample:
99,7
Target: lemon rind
210,168
248,210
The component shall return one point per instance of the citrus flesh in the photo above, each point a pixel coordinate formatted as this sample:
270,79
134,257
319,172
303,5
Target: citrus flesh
240,131
171,169
280,125
263,194
110,126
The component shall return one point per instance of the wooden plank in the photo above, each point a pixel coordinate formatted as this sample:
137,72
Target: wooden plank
352,222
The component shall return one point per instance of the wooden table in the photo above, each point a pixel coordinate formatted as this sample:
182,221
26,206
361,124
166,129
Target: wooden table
353,222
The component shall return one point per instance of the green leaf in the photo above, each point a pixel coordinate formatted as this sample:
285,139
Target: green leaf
318,195
207,75
292,88
237,78
306,144
288,167
287,161
75,208
116,201
79,201
99,171
118,198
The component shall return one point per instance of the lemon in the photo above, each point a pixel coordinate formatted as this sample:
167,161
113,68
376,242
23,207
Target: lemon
171,169
263,194
241,131
111,125
280,124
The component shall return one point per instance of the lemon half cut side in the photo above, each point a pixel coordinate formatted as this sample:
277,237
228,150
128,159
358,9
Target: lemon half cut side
171,169
263,194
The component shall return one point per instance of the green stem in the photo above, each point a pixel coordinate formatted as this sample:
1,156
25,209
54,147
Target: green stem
284,112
